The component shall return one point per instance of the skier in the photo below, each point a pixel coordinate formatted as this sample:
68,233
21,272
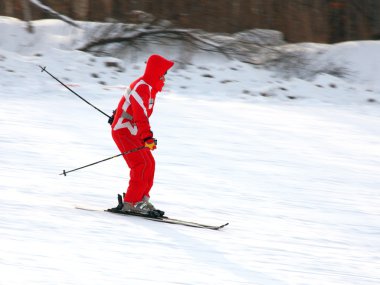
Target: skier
131,129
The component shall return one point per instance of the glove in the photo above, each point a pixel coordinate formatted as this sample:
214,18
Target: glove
150,143
110,119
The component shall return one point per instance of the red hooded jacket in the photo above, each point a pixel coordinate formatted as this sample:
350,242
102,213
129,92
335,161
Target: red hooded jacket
136,106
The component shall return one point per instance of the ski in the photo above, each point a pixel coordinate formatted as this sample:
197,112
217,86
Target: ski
162,219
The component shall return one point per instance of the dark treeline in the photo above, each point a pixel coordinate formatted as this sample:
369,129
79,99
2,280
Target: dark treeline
325,21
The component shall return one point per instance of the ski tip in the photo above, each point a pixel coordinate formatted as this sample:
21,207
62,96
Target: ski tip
222,226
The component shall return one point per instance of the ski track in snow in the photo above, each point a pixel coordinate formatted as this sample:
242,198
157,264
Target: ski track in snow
298,182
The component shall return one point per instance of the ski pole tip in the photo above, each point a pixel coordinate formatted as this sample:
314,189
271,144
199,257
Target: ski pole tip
63,172
43,68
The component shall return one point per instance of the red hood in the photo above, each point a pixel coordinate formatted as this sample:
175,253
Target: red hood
156,67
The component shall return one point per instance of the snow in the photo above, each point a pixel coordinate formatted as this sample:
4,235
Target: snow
292,165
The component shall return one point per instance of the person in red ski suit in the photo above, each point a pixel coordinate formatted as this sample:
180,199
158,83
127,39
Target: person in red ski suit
131,129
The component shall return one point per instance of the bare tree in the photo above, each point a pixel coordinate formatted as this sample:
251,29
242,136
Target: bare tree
27,15
54,13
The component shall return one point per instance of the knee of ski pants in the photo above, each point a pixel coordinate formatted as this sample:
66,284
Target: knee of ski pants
141,176
142,164
126,142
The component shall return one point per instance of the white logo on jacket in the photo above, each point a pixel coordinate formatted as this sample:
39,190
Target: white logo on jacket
128,124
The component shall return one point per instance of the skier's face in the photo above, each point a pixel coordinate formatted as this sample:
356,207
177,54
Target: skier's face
162,78
155,71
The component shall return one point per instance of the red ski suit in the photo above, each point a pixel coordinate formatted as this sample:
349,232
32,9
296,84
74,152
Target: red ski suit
131,127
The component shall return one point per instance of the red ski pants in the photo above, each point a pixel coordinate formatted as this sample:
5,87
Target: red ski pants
141,164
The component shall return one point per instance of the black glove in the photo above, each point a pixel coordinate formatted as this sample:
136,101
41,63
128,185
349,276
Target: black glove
110,120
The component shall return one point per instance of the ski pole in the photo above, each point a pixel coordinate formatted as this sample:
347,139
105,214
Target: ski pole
44,69
127,152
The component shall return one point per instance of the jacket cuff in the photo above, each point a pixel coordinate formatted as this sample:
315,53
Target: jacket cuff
146,136
147,139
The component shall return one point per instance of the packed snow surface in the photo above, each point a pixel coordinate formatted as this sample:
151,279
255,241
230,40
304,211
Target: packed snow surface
292,165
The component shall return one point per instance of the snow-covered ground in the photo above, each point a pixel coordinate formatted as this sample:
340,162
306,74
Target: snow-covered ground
292,165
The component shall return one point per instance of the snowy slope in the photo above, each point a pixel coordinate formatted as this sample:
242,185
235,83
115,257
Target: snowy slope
293,165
